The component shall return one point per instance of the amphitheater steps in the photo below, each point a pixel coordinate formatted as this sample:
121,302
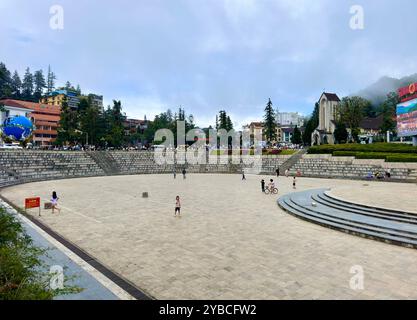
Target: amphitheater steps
386,225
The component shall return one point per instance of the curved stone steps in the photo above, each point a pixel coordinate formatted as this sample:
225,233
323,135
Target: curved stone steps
379,226
366,212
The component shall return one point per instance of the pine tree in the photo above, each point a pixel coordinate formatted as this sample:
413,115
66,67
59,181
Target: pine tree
16,86
311,125
78,90
39,85
296,137
27,86
50,85
270,123
5,82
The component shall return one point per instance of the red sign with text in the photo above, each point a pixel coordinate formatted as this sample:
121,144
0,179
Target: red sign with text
32,203
408,93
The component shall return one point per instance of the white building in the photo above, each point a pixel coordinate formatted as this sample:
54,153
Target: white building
290,119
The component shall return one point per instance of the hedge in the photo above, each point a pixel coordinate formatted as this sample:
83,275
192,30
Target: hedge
390,157
375,147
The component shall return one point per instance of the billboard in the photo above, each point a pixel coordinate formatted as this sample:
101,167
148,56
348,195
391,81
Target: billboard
407,118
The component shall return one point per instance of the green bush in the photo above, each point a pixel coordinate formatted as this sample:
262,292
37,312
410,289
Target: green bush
402,158
375,147
21,275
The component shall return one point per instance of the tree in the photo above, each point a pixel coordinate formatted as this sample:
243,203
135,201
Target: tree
340,132
5,82
115,128
78,90
90,123
389,112
68,125
39,85
351,112
311,125
50,84
296,137
27,86
16,86
270,123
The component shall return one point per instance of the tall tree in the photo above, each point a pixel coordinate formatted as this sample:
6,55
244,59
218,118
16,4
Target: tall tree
296,137
115,133
50,85
389,112
311,125
16,86
27,86
5,82
90,122
270,125
352,111
39,85
68,125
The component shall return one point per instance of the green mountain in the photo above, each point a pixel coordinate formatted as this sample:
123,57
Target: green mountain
377,92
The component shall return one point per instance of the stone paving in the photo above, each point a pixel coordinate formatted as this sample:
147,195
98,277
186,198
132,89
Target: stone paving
232,241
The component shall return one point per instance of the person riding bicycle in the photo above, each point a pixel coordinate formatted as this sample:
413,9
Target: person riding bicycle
271,185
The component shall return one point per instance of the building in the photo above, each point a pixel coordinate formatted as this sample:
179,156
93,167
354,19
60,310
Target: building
13,109
45,119
290,119
371,126
96,101
284,133
328,106
132,126
57,97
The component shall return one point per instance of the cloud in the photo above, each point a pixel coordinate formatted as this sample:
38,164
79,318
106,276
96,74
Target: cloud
212,55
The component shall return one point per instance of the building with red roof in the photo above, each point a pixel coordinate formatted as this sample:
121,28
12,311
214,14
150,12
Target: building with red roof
44,117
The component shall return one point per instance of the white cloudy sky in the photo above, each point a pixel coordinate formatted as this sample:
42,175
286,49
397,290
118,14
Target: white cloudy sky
207,55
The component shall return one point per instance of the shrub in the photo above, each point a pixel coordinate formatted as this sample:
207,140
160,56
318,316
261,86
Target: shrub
21,266
401,158
375,147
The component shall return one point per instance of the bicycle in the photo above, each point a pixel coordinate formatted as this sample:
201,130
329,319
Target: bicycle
274,191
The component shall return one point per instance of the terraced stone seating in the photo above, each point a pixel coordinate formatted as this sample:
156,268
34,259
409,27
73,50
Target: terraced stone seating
345,167
41,165
317,206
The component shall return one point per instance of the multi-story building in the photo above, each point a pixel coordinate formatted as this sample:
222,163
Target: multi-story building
57,97
45,119
134,125
290,119
96,101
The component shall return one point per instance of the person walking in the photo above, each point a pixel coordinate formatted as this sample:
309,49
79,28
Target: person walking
277,171
54,202
175,174
294,183
177,206
263,185
243,175
184,173
287,172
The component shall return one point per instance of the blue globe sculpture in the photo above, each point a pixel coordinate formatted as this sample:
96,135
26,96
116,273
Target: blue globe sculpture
17,128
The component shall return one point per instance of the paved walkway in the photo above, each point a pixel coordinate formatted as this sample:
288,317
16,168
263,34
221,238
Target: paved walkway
77,276
232,241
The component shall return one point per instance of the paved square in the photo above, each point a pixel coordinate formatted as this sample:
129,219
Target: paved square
232,242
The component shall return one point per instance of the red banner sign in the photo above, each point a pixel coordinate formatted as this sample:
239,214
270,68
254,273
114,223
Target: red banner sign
408,93
32,203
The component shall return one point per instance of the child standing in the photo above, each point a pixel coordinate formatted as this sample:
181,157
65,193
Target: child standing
178,206
54,202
